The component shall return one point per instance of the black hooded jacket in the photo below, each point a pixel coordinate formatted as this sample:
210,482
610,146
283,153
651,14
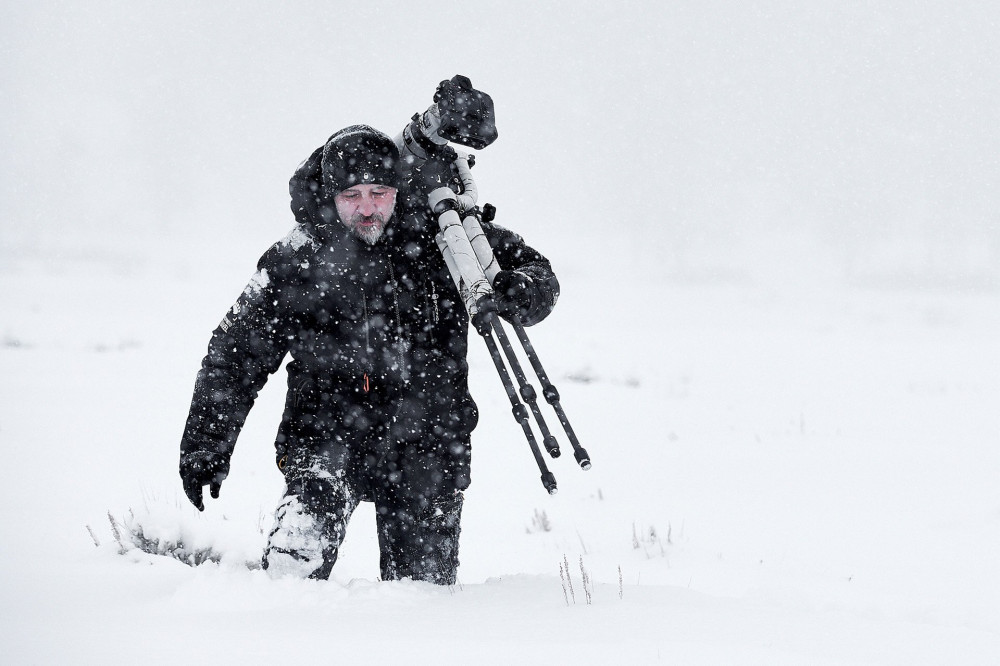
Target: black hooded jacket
377,335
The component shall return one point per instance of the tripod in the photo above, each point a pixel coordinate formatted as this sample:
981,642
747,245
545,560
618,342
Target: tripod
473,267
462,114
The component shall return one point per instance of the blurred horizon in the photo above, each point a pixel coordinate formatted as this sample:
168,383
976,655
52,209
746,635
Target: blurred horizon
721,141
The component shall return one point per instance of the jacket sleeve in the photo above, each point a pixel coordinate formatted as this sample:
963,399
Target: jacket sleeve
512,253
245,349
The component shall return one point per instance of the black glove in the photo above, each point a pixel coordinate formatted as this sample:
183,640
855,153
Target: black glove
512,292
202,468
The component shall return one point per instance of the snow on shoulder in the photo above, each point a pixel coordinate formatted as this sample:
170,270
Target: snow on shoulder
258,282
298,238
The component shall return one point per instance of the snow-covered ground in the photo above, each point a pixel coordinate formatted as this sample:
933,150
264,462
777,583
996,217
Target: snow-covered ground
779,334
780,477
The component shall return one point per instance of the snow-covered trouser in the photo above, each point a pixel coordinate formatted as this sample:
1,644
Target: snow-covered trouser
417,511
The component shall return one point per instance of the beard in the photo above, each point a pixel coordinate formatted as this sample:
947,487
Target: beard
368,228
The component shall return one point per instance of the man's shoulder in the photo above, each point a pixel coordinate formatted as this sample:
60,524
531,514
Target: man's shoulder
299,238
286,257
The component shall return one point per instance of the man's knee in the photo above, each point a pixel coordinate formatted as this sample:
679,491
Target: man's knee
421,541
309,526
295,546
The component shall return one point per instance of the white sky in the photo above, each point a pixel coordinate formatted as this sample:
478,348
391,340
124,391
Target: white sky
682,120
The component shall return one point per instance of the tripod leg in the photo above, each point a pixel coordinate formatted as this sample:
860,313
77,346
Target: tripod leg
551,395
520,413
527,390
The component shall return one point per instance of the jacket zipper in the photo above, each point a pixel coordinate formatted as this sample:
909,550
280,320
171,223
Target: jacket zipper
364,306
399,323
366,386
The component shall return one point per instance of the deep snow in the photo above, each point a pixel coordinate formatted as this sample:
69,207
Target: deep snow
779,477
779,334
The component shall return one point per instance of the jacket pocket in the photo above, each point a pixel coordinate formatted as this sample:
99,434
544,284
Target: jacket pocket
302,393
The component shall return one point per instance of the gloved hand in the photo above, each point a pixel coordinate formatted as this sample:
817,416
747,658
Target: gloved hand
202,468
512,293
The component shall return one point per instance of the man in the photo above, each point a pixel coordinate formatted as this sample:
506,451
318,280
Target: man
378,406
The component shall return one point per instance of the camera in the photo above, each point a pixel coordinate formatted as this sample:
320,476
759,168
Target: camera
460,113
467,115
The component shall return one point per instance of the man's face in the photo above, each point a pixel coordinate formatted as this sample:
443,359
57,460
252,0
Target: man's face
366,209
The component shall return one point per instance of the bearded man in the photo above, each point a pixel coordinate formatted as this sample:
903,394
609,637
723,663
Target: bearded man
378,406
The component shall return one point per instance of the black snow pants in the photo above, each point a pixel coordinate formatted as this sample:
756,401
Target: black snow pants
418,509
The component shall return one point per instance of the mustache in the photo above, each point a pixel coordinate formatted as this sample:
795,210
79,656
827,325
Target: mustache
358,218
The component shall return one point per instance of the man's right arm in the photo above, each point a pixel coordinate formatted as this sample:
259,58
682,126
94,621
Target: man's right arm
245,349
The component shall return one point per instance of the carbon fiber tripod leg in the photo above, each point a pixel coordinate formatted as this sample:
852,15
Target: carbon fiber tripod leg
483,325
527,391
551,395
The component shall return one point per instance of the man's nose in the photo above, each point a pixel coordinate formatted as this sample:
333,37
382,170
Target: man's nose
367,205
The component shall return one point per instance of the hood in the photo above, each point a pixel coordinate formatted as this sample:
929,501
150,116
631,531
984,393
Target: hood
317,212
308,203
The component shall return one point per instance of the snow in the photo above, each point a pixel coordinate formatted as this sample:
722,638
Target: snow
780,343
258,281
296,239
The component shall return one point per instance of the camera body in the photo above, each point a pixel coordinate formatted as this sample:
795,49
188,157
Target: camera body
467,115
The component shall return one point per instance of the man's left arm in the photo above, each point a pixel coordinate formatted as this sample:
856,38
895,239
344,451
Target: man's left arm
526,285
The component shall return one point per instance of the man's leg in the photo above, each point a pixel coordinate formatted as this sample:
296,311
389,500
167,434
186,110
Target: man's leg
310,522
419,519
